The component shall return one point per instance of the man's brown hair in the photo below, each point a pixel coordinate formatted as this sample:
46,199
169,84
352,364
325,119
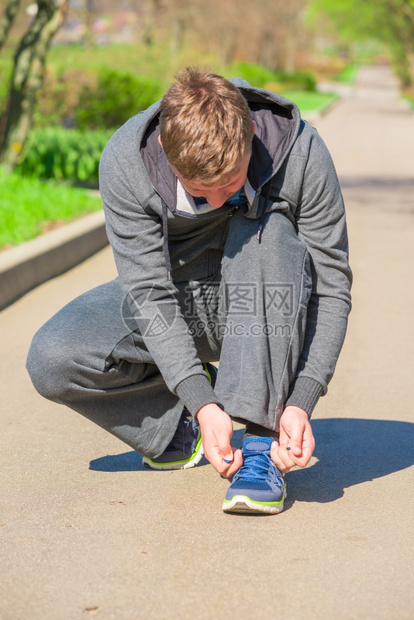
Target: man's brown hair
206,127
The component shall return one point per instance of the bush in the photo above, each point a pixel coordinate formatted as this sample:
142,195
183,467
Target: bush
59,99
64,154
297,80
117,96
261,77
256,75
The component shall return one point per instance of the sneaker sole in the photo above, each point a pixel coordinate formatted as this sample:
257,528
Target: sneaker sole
243,504
185,464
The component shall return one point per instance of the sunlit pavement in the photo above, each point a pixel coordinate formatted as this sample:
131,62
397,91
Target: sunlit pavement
85,531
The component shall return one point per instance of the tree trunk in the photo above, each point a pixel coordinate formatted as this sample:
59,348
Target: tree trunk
89,9
7,20
149,26
179,29
267,53
289,62
28,75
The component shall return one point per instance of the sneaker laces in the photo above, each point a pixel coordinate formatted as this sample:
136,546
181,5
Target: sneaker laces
259,466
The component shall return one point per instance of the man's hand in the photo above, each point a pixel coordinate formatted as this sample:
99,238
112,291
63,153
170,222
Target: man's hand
296,442
216,430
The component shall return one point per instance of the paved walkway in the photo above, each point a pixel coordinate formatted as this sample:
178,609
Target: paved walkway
86,532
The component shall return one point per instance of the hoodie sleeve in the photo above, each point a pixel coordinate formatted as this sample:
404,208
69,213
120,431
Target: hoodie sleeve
321,224
137,242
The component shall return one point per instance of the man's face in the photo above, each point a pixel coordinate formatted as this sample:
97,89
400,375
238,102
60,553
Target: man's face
217,194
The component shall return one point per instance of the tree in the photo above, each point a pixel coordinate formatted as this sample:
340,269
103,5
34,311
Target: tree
390,22
89,13
28,76
269,32
7,20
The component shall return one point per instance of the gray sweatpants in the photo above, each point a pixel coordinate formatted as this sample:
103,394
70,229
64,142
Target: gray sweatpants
251,317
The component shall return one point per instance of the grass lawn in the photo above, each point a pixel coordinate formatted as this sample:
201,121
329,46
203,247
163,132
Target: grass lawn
310,102
28,206
348,75
410,100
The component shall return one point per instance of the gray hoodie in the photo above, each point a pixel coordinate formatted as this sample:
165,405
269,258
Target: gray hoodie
157,231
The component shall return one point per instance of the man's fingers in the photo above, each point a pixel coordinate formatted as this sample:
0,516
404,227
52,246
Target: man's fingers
226,469
281,457
225,448
302,445
234,466
284,455
289,451
296,441
214,457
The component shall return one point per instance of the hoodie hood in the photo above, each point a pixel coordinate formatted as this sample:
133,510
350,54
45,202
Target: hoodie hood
277,120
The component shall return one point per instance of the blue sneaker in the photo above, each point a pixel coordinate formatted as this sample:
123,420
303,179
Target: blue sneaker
258,486
186,448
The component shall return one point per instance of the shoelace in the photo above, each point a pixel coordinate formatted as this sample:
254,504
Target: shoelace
259,466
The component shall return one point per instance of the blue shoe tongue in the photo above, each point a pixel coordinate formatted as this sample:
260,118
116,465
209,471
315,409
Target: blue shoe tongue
257,445
258,465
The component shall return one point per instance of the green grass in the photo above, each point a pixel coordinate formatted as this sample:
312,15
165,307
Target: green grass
28,204
309,103
410,100
348,74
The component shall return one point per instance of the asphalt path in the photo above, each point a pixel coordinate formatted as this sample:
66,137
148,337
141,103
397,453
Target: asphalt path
87,532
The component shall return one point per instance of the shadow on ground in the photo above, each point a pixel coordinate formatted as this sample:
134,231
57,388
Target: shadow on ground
349,451
385,193
132,461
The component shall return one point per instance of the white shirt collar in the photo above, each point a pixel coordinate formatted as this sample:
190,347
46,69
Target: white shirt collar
186,203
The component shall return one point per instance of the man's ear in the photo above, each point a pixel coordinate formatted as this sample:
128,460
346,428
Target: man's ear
159,140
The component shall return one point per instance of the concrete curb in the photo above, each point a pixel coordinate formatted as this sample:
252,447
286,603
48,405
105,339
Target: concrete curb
26,266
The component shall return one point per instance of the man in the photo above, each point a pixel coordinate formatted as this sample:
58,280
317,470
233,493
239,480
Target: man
227,224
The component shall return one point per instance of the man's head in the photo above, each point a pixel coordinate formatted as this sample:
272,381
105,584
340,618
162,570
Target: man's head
206,129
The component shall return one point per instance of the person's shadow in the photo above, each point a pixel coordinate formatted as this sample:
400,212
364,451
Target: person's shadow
349,451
